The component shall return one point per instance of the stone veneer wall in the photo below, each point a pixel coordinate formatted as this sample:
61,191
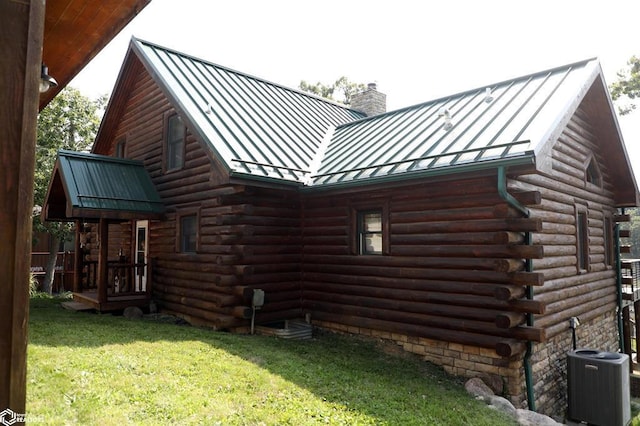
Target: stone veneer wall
506,376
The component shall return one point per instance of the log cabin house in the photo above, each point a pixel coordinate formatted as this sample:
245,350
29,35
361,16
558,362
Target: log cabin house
469,229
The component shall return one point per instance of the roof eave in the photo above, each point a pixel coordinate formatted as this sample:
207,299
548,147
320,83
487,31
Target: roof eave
526,159
243,178
164,86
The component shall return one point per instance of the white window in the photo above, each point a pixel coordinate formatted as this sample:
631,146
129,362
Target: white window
370,232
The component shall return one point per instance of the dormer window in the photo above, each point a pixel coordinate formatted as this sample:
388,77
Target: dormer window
592,173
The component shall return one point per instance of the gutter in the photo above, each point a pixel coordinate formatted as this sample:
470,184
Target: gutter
506,196
525,159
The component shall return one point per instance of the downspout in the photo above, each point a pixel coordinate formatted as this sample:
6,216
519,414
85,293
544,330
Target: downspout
506,196
616,239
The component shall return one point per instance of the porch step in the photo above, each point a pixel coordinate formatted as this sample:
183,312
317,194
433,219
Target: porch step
76,306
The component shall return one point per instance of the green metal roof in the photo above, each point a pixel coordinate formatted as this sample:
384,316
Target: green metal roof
264,131
256,127
96,186
501,122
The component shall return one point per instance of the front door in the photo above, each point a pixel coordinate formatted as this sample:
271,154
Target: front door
141,255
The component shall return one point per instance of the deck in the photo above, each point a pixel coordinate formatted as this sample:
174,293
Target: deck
113,303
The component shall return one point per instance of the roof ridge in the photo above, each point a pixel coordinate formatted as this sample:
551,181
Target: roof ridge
244,74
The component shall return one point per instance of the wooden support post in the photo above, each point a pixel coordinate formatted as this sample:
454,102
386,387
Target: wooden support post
103,253
626,331
77,260
636,315
21,29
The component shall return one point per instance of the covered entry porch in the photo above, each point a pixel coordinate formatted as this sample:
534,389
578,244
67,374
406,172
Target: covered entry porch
112,202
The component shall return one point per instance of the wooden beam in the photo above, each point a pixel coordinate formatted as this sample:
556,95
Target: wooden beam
21,29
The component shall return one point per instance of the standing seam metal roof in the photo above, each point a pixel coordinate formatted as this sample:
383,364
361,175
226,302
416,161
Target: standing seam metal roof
502,121
264,130
257,127
95,183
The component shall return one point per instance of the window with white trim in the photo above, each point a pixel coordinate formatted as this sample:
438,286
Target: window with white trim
370,232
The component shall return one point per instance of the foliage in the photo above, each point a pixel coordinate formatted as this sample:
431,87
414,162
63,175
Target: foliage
92,369
71,122
33,285
627,85
345,88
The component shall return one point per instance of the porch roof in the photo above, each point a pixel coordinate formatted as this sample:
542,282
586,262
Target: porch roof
90,186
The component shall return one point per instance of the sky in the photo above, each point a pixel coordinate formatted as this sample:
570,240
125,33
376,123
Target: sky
415,50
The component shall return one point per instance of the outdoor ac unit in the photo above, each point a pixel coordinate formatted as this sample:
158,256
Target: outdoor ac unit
598,387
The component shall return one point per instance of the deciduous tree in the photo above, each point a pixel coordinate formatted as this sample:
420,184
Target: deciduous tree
71,122
627,86
343,88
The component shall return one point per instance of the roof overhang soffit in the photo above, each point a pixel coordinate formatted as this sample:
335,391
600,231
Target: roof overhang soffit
76,30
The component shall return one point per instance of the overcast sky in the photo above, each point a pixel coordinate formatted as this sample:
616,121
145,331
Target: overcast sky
414,50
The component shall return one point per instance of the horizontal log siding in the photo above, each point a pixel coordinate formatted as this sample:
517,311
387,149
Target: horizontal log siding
453,247
247,238
268,248
566,292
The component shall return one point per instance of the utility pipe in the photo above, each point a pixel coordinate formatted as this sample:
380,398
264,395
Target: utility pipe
506,196
616,239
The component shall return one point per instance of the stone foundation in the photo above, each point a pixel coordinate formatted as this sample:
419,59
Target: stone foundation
505,376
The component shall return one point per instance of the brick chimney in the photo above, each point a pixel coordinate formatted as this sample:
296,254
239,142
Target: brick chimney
370,102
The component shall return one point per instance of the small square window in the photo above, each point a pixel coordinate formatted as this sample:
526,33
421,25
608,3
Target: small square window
188,233
174,155
370,232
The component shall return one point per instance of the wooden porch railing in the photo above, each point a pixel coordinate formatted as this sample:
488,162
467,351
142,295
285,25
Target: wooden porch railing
630,278
64,270
630,275
121,278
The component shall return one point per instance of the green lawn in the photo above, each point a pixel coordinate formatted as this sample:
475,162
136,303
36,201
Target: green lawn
91,369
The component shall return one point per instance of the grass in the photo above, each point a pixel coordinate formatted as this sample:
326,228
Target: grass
93,369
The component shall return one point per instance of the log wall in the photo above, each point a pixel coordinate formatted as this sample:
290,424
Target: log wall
454,270
450,285
568,291
247,238
455,273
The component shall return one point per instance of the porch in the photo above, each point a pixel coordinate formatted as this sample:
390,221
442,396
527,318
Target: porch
127,284
97,191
